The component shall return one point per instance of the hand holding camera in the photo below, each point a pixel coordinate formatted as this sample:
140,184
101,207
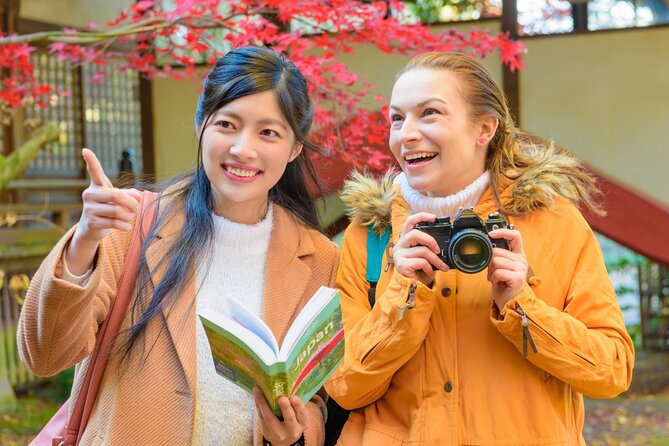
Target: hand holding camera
468,244
416,253
507,271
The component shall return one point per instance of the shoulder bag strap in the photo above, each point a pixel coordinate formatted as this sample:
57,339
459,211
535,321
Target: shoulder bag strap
110,327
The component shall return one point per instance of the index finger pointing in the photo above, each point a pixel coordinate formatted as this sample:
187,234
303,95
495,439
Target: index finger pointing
95,170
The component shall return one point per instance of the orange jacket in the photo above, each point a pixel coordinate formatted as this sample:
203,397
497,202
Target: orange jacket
452,372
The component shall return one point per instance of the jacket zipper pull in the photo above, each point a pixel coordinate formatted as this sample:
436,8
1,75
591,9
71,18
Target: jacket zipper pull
389,256
411,301
527,336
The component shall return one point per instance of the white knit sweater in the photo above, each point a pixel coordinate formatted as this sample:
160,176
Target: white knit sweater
443,206
235,269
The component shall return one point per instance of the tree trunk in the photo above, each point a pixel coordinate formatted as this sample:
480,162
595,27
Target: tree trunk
13,165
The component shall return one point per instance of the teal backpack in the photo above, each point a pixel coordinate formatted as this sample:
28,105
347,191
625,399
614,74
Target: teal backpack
376,245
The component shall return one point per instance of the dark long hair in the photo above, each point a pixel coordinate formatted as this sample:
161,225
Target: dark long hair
241,72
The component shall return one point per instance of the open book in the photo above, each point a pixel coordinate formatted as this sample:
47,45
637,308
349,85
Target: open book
246,352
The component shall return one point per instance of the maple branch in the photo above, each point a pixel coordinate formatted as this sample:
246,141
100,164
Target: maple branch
148,25
37,218
182,38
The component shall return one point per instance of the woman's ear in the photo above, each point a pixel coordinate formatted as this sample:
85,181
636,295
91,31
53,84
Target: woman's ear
296,151
488,127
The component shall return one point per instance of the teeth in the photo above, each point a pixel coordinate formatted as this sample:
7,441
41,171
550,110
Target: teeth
414,156
241,172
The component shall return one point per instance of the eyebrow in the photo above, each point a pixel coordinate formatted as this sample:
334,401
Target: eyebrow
266,121
421,104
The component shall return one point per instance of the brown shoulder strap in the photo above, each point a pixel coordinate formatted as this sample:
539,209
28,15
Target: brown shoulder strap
110,328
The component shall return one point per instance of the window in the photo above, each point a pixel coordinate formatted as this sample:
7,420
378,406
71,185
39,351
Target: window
103,115
435,11
608,14
58,159
544,17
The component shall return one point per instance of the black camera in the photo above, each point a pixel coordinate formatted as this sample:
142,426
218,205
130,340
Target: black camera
465,244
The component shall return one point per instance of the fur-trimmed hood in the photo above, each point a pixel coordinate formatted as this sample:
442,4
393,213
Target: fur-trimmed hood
368,200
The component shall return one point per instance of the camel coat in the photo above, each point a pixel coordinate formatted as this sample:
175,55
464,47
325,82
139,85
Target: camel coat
152,403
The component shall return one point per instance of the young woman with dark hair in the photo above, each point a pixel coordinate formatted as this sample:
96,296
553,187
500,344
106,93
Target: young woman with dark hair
241,226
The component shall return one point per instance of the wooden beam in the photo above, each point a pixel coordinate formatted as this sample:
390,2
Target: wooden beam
510,80
28,26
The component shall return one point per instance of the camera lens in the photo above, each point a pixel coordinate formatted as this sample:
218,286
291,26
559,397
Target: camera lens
470,250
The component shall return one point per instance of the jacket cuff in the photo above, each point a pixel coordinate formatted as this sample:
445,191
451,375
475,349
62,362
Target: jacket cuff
72,278
523,299
61,279
398,283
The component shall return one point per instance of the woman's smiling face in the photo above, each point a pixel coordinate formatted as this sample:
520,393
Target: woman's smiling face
432,135
246,147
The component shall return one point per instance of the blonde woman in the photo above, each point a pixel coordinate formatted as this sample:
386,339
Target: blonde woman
499,357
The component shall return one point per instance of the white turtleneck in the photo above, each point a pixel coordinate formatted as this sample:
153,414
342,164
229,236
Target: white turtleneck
443,206
234,269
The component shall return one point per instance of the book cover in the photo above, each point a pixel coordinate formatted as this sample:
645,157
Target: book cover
246,353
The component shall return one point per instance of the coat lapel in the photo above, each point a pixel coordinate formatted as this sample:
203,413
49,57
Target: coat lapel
286,273
287,276
180,316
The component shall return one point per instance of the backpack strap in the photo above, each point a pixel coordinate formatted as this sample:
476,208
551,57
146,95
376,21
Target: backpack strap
376,245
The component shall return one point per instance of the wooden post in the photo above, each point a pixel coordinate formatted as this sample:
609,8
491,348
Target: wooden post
641,269
510,80
579,13
9,14
146,110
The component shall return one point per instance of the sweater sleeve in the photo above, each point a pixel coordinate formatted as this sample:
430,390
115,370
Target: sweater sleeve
59,319
378,342
585,344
